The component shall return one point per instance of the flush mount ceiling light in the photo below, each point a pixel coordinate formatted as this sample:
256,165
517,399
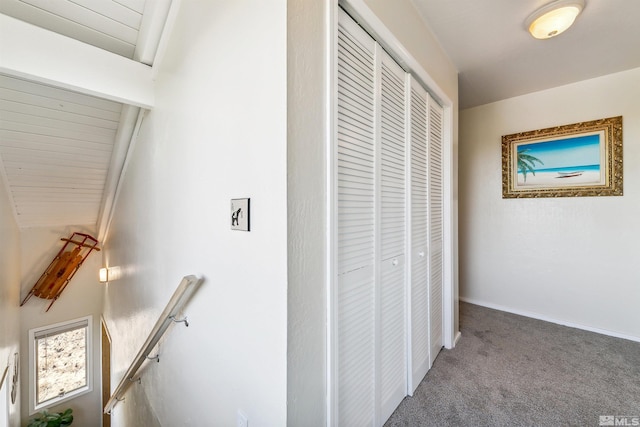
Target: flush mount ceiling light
554,18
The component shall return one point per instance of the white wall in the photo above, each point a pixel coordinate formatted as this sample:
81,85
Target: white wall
9,298
218,132
83,296
308,47
570,260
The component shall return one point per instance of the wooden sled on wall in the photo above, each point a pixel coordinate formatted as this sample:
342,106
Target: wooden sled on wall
63,267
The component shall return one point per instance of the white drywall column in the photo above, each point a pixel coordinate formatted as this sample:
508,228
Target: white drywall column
307,214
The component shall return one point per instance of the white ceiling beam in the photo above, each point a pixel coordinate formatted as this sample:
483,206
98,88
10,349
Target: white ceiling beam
36,54
130,122
154,19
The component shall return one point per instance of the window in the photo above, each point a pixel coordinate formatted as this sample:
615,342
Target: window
60,362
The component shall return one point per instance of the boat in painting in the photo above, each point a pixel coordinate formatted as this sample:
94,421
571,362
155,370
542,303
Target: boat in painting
569,174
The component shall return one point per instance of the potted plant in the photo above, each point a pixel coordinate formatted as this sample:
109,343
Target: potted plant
57,419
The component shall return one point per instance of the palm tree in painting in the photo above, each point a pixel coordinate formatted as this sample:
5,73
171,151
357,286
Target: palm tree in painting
527,163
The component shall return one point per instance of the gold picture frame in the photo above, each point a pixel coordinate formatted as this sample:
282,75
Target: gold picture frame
577,160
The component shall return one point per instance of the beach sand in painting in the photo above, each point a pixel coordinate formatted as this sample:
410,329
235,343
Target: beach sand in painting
553,179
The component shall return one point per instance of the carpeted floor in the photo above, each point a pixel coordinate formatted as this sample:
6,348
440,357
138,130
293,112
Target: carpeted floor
509,370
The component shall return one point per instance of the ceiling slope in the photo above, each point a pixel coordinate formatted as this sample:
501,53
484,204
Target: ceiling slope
55,147
109,25
62,148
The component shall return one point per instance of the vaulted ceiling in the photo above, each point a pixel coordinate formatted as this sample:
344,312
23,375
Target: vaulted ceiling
56,147
76,74
110,25
63,138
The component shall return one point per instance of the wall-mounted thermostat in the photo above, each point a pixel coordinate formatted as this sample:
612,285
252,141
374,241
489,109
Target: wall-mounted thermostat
240,214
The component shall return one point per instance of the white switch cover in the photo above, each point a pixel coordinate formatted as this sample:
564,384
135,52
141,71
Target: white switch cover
240,214
242,420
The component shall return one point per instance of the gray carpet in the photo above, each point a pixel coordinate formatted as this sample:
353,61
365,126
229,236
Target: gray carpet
509,370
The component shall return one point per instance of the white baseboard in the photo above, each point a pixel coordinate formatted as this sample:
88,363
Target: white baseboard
549,319
457,338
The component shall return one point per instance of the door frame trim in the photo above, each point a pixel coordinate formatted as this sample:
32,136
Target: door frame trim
104,333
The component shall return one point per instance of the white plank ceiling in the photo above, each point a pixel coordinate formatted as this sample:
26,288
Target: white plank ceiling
56,148
107,24
56,145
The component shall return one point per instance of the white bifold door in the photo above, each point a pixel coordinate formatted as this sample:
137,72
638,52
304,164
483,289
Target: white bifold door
425,140
387,294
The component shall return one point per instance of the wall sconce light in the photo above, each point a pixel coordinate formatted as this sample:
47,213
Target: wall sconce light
553,18
110,274
103,275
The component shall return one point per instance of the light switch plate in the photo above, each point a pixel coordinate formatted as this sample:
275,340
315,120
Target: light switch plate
240,214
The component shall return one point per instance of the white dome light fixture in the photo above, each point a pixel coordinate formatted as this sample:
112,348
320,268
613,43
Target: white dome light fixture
553,18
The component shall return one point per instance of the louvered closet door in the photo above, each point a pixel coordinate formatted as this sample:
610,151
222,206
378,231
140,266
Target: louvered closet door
392,344
383,134
435,228
356,189
420,360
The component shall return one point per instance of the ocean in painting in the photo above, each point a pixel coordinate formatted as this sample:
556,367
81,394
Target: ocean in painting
562,162
591,168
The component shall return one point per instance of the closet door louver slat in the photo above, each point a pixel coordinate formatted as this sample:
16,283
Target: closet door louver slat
435,228
355,162
419,233
355,321
392,334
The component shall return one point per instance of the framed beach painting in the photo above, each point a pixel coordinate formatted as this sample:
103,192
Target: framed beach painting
580,159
